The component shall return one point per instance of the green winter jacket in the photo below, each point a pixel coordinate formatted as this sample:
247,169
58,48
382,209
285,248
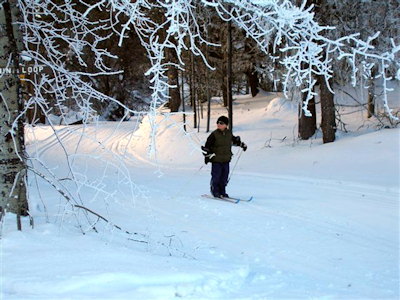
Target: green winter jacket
220,143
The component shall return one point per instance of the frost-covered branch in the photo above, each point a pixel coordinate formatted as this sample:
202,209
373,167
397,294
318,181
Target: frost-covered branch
289,29
67,44
294,31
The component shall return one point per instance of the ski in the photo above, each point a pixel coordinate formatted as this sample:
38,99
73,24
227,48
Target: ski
231,200
240,199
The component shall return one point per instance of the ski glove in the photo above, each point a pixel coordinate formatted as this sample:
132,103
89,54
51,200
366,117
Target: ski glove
243,146
236,140
205,150
207,154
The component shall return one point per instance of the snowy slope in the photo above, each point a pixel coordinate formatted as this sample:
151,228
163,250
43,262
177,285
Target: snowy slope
324,222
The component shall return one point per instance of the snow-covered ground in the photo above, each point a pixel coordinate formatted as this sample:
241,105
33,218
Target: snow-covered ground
324,222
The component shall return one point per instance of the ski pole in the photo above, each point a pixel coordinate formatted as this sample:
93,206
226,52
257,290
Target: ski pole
234,167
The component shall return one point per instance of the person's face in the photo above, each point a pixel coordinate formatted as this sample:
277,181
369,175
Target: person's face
221,126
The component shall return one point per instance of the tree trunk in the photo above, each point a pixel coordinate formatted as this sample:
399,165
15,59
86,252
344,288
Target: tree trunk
328,114
12,166
173,79
229,75
252,79
183,100
371,95
224,81
198,96
192,90
224,64
307,125
208,94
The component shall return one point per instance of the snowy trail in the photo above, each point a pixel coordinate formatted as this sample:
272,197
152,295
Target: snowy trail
323,224
303,231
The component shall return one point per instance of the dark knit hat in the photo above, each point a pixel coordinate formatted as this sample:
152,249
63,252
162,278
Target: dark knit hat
223,119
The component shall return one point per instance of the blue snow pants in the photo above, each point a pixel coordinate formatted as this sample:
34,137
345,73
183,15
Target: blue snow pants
219,178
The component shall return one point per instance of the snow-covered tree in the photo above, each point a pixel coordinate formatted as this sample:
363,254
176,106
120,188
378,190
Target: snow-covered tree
366,18
12,152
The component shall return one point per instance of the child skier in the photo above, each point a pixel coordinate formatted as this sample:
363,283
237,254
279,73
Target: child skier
218,151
